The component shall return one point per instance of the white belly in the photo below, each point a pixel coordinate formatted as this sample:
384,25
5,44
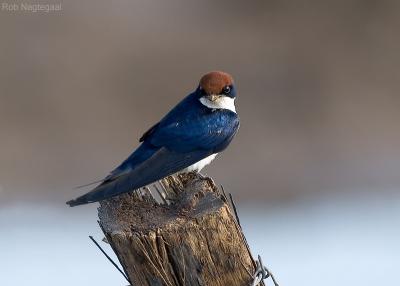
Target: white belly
200,164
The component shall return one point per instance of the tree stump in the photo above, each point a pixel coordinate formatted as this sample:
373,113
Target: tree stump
182,232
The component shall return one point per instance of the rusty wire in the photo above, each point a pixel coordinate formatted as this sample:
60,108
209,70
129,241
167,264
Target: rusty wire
262,273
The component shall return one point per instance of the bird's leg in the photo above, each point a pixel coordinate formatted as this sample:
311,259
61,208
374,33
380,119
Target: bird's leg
201,176
204,177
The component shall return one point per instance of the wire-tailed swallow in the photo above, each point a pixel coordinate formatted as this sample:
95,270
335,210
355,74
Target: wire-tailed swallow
187,139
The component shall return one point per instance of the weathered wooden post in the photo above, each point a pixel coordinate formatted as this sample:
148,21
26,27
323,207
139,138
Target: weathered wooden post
187,234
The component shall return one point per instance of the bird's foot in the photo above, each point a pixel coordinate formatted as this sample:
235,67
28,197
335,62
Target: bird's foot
201,176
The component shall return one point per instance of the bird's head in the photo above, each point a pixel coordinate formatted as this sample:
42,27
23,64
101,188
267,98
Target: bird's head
217,90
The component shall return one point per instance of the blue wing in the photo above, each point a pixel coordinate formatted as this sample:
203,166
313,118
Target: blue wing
208,130
163,163
189,133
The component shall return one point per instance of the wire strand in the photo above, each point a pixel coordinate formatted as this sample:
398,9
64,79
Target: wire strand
110,259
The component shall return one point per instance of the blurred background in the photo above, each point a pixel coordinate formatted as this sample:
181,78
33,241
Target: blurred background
315,165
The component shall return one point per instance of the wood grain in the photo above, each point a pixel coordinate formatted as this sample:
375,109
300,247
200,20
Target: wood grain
188,237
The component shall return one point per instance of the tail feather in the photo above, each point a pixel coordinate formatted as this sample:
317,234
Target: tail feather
77,202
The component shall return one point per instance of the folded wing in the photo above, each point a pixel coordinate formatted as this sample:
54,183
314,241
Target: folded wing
163,163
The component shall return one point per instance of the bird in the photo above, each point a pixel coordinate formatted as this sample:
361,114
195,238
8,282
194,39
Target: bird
186,139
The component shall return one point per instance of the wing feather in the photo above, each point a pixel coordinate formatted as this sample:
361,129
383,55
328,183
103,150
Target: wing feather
163,163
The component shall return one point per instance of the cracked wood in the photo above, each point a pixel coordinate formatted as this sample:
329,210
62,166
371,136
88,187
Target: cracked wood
190,236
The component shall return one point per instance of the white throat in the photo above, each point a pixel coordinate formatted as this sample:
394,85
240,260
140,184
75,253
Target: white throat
224,102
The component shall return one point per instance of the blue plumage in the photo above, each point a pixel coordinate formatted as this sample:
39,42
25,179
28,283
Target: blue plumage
189,133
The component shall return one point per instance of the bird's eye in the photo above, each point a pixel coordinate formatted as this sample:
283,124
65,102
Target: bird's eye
226,89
